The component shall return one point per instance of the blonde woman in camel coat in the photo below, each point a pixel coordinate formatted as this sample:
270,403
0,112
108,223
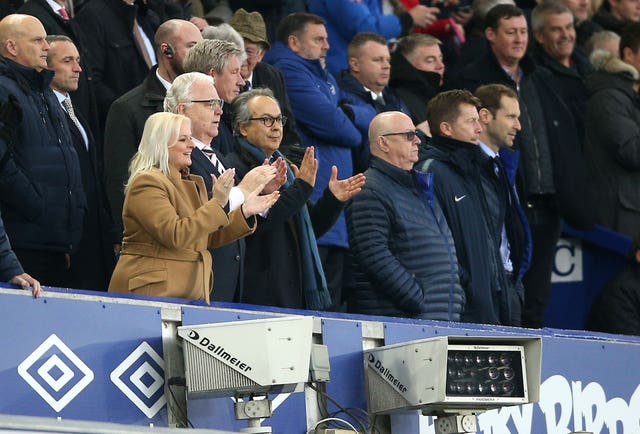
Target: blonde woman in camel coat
168,222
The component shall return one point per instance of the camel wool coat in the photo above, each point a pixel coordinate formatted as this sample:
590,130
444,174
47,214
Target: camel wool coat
168,226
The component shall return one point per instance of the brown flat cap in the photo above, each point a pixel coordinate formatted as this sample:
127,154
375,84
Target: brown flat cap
250,25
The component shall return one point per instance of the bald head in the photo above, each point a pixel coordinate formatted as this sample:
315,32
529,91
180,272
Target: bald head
172,41
392,138
23,40
381,124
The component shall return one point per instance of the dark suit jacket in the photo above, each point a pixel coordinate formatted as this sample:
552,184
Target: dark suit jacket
93,261
224,141
84,100
116,61
228,260
125,124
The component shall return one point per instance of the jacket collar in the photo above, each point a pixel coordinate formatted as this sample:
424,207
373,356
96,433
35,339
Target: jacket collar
465,155
526,64
544,59
282,52
154,91
25,76
401,176
403,73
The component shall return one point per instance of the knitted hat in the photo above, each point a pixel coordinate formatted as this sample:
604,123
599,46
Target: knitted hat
250,25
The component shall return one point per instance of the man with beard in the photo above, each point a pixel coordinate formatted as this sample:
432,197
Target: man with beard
127,114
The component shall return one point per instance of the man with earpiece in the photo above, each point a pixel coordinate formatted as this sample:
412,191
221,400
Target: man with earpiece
127,115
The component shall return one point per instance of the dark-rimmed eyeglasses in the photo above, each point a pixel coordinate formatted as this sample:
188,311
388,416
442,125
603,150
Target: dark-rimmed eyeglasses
211,103
268,121
409,135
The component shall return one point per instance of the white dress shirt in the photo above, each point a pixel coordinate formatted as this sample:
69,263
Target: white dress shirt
505,250
61,97
236,196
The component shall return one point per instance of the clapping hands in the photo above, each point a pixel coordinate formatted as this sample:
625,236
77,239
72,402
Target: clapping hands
222,186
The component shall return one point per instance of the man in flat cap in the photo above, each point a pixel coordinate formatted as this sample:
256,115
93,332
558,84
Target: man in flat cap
251,26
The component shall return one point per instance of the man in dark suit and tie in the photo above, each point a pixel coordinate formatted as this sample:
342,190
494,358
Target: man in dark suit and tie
194,95
57,20
93,260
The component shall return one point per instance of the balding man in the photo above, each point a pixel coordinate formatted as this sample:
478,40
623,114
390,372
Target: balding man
127,115
41,193
404,253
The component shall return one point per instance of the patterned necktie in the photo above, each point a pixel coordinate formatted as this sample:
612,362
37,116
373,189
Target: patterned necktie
211,155
246,87
72,114
64,14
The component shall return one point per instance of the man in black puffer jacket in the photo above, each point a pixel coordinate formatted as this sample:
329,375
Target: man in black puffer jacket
41,195
405,259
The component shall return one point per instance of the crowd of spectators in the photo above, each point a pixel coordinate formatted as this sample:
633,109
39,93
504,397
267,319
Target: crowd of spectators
384,157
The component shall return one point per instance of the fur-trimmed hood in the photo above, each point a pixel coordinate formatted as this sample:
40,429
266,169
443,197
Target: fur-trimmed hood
608,62
610,72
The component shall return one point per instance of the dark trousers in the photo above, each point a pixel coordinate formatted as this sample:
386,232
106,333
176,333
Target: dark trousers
334,261
516,302
50,268
545,224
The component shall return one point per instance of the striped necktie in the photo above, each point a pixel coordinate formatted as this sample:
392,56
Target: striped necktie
211,155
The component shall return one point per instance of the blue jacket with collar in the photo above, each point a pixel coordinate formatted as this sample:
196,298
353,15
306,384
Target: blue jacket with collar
315,96
41,194
404,254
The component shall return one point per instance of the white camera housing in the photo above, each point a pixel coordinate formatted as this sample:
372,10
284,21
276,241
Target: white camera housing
446,375
247,357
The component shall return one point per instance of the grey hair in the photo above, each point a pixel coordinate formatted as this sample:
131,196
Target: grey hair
161,130
224,32
180,90
210,54
58,38
543,10
240,106
598,39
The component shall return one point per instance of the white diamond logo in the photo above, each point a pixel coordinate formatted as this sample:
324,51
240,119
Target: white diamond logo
146,369
54,362
136,379
55,373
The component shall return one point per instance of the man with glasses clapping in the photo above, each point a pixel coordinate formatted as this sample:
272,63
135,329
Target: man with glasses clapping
282,262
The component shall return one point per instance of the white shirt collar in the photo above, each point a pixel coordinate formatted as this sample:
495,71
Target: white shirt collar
61,96
54,5
198,143
164,82
374,95
487,150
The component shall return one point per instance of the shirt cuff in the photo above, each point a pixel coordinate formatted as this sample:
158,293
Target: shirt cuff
236,198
